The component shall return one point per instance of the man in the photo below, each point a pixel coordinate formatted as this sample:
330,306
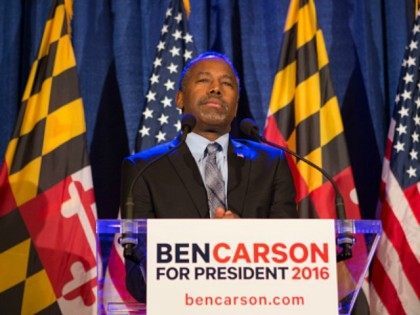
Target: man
254,180
210,175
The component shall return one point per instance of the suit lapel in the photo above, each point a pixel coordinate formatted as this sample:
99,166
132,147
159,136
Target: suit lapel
239,167
186,167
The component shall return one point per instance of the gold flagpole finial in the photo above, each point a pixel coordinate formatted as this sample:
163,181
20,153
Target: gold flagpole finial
187,7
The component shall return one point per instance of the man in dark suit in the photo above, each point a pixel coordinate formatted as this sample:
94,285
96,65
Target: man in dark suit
236,179
256,179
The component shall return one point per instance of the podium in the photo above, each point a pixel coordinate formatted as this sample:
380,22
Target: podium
351,273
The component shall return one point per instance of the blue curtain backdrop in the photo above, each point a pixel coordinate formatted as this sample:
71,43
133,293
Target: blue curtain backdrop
115,42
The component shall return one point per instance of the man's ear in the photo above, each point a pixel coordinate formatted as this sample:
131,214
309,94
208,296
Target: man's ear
179,100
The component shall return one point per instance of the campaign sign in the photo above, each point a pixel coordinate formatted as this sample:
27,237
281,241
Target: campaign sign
246,267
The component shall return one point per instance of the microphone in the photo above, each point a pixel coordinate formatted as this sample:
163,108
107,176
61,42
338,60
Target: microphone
129,229
345,239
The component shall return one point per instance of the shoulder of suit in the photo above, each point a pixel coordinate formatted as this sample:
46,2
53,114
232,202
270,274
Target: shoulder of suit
152,153
253,148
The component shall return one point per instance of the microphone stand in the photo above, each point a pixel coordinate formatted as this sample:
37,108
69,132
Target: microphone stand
345,238
129,228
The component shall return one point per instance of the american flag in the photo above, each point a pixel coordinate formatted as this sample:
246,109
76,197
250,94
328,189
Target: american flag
160,122
395,275
160,119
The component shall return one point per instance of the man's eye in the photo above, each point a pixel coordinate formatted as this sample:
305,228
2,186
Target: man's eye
227,83
203,80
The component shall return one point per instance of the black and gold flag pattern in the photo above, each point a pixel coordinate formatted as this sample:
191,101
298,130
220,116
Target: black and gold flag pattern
304,115
47,209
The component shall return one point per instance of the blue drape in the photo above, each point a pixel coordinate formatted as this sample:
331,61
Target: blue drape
114,42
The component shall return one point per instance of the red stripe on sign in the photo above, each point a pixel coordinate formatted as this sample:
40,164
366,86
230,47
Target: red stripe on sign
385,289
396,235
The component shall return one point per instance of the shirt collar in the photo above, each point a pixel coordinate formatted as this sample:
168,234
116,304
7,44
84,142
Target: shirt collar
197,144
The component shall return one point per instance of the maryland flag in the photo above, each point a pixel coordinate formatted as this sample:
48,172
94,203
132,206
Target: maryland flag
47,207
305,116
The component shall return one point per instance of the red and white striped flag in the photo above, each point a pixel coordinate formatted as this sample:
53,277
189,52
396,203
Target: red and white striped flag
160,119
395,274
113,286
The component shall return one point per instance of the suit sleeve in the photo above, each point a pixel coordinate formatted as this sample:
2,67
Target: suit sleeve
283,203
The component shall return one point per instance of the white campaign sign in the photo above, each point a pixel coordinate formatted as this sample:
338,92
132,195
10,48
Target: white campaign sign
246,267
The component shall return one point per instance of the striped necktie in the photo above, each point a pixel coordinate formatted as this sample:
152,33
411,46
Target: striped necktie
213,179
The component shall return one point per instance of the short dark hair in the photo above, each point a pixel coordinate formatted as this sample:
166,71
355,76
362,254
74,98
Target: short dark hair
203,56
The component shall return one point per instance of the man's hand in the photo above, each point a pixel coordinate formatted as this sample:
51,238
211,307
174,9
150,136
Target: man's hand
221,213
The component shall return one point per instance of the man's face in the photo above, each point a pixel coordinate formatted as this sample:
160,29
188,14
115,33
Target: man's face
210,93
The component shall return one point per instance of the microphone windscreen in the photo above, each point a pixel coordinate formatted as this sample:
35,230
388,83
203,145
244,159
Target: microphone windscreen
249,128
187,123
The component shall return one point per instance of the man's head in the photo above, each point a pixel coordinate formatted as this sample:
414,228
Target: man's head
209,90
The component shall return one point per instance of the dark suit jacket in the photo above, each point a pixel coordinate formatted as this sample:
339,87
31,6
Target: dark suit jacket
259,186
259,183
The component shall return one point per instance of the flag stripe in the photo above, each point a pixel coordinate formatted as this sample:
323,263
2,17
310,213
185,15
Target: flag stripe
283,89
306,139
117,261
288,57
377,308
395,234
307,98
334,157
402,211
29,147
11,299
413,198
386,290
331,124
34,263
307,63
306,24
307,209
13,230
44,68
326,87
397,277
59,96
55,166
285,118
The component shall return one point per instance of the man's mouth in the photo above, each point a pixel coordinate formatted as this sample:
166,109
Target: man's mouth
214,103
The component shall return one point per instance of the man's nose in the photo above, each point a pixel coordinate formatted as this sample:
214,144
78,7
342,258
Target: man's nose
215,90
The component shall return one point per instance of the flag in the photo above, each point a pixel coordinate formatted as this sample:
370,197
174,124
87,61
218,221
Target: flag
305,116
47,206
160,120
395,285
